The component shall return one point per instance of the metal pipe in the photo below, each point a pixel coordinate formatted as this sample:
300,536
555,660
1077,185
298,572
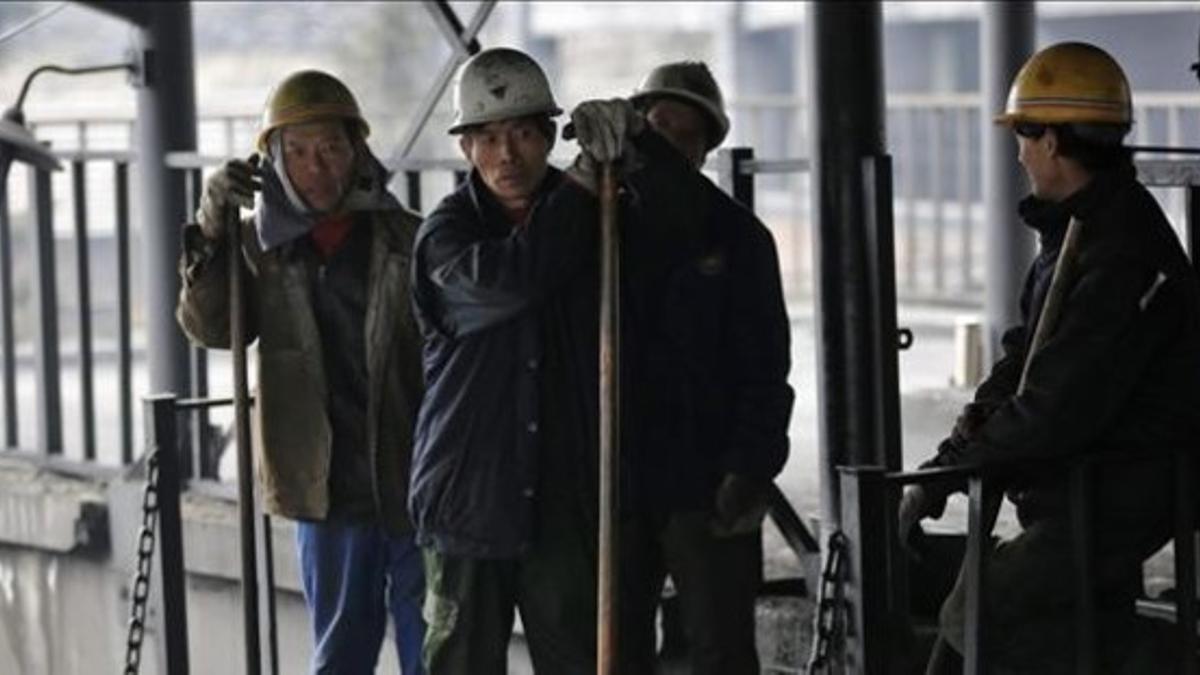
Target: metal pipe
166,113
610,424
245,462
847,127
7,310
161,432
1008,31
49,399
124,309
83,286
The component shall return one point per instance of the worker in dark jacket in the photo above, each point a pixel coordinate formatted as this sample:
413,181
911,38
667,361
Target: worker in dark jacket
339,376
495,477
1119,371
706,356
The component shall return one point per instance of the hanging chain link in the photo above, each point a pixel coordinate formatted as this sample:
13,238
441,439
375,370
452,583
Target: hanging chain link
829,620
145,558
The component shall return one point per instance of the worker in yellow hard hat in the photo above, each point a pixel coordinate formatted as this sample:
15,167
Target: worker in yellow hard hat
327,247
1115,368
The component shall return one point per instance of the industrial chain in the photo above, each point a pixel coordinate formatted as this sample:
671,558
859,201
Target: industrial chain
145,557
829,620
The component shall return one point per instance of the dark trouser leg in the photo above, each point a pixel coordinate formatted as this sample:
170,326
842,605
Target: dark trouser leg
641,582
342,571
717,579
406,594
556,591
469,614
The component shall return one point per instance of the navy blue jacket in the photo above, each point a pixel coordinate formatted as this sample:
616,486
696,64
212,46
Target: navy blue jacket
478,287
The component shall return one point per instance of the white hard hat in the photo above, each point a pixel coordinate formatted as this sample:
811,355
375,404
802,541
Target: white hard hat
498,84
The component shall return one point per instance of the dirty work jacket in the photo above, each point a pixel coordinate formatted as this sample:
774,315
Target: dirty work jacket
293,437
708,381
1120,371
478,288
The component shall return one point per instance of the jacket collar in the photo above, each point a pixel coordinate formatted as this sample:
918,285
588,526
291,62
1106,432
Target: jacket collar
1050,219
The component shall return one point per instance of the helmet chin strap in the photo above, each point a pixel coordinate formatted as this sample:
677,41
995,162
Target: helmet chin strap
301,205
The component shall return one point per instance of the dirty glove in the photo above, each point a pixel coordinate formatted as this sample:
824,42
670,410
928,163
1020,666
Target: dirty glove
741,505
915,505
603,128
232,185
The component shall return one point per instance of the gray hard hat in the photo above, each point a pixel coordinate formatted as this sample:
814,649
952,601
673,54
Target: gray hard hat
691,82
498,84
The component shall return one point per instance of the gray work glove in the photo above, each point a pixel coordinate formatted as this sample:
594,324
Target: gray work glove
915,505
603,128
232,185
740,506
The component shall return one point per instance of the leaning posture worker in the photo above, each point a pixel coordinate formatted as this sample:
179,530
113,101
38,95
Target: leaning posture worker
1119,370
339,376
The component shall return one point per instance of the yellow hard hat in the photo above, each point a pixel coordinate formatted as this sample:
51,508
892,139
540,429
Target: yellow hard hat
1070,82
309,96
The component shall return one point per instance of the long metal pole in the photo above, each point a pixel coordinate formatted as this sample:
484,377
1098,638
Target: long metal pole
241,407
166,114
846,125
1008,30
610,423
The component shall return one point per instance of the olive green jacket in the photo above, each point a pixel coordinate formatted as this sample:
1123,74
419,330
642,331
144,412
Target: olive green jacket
292,436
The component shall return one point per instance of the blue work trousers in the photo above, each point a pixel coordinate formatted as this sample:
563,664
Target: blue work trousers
354,575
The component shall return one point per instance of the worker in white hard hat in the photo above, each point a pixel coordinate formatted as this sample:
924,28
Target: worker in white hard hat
709,386
338,358
1106,361
501,474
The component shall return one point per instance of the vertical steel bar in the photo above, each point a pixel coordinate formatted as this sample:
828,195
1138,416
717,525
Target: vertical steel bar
241,397
967,226
197,460
412,180
936,171
1081,552
910,199
7,311
49,400
162,434
867,528
847,127
1008,31
124,316
1185,559
881,273
610,424
1191,224
267,553
83,285
978,529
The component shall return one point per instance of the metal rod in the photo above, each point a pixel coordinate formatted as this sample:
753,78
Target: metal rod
1191,224
7,311
50,68
610,423
87,399
412,181
936,198
910,198
162,433
1185,560
124,301
967,227
49,401
245,463
973,563
268,593
198,366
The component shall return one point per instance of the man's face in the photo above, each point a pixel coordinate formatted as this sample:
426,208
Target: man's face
319,157
1036,153
683,125
510,156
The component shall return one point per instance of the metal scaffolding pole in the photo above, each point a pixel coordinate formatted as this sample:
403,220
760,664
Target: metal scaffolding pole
1008,31
856,344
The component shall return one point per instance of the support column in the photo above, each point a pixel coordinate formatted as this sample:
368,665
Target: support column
1007,32
166,109
856,350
